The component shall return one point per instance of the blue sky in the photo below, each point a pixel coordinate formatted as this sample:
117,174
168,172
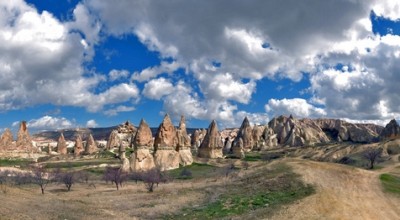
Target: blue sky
73,63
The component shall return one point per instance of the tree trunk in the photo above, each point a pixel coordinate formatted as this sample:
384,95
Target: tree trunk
42,190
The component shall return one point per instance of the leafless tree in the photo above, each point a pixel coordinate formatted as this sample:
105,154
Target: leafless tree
135,176
41,177
153,177
115,175
372,155
68,178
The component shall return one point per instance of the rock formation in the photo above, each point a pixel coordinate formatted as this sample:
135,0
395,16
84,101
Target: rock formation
212,145
391,130
166,157
246,135
6,141
91,145
24,141
62,145
257,133
142,159
122,135
78,148
270,139
183,144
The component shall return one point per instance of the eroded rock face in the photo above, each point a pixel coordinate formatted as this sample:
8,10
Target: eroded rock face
142,159
165,145
238,150
122,135
91,145
246,135
212,145
183,147
391,130
166,135
6,141
62,145
78,148
270,139
143,137
24,141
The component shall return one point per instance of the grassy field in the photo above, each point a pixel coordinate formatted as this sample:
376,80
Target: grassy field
259,193
390,183
210,193
12,162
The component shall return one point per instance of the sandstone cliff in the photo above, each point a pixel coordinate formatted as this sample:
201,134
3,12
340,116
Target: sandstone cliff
212,145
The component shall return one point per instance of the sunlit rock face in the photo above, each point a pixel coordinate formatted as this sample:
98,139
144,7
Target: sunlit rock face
142,158
212,145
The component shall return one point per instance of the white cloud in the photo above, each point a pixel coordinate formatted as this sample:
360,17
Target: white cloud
50,123
118,109
118,74
42,60
297,107
157,88
91,124
152,72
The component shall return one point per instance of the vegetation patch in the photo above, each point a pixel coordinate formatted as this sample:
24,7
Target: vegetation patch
263,191
250,157
197,170
70,164
12,162
390,183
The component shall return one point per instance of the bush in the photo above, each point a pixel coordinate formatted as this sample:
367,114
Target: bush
347,160
185,174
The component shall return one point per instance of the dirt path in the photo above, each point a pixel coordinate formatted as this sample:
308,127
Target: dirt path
342,193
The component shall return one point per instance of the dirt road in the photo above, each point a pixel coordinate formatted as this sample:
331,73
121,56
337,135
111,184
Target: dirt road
343,192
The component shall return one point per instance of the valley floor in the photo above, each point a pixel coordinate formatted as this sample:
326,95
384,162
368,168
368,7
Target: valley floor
342,192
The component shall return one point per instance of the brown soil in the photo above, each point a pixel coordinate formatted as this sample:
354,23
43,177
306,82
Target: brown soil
343,192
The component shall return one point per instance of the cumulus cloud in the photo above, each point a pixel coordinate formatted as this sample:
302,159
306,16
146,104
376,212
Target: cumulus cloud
297,107
42,60
50,123
118,109
91,124
157,88
118,74
151,72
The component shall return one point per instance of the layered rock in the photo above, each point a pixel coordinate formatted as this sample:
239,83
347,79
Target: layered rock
166,157
183,144
391,130
62,145
6,141
245,134
24,141
78,148
212,145
142,158
91,145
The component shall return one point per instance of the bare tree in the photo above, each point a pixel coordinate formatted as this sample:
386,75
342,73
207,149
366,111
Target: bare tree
135,176
41,177
151,178
68,178
372,155
115,175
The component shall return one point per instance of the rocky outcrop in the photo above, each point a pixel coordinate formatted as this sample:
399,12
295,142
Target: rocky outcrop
91,145
142,159
122,135
165,143
212,145
24,141
78,148
391,130
62,145
293,132
183,144
257,133
246,135
270,139
6,141
339,130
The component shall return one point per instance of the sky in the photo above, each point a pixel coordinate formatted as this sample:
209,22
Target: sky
96,63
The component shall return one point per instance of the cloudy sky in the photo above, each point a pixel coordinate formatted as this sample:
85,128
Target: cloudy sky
96,63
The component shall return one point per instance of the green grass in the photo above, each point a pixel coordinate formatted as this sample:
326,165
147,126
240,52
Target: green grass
198,171
74,164
390,183
263,192
15,162
252,157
